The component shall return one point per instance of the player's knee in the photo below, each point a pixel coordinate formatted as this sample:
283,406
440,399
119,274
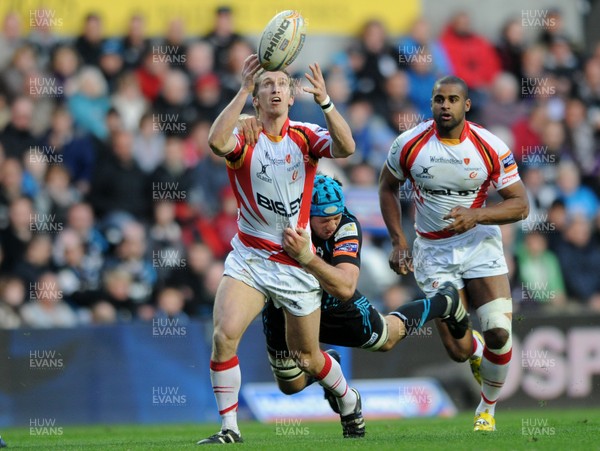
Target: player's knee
496,338
224,341
458,354
496,324
287,387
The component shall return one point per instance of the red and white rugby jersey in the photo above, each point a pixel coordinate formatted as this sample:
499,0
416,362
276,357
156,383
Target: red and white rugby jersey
449,173
273,181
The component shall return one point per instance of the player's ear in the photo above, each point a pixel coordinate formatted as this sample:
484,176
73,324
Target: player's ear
467,105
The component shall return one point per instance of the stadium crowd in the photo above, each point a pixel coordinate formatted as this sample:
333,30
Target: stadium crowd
113,208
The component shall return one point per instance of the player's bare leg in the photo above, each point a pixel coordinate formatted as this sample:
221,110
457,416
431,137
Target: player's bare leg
491,298
236,305
302,336
411,316
459,350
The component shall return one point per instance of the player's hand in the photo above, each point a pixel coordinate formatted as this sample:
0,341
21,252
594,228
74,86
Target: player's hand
317,81
250,69
464,219
250,126
401,261
297,245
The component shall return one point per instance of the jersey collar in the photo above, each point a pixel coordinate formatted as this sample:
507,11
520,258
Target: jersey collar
463,134
284,130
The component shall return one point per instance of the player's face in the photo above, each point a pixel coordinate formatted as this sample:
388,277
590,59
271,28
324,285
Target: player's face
449,105
325,226
274,96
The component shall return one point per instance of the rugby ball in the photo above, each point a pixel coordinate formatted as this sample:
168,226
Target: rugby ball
281,40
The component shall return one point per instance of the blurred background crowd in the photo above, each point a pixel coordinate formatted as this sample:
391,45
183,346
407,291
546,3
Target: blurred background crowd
113,208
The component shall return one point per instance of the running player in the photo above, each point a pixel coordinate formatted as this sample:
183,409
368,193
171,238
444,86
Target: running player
347,317
451,163
270,181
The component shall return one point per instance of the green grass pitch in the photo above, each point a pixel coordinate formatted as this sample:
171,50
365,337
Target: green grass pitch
540,429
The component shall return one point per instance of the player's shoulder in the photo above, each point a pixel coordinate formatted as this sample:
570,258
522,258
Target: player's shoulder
409,135
349,227
494,141
306,126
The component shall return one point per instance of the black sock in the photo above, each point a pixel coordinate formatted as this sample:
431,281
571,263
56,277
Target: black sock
416,313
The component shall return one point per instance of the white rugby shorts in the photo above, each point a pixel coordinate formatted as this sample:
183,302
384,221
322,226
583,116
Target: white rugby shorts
473,254
287,286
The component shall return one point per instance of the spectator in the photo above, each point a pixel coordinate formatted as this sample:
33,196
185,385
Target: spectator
418,44
12,296
47,308
76,152
380,61
170,303
192,281
90,103
17,137
578,199
12,182
588,90
15,78
222,37
579,256
199,60
80,220
119,184
18,233
129,101
540,273
472,57
561,60
117,288
111,63
103,313
58,195
89,43
64,65
135,44
511,46
36,261
231,78
165,240
208,101
173,107
527,132
79,276
225,223
171,180
131,258
174,44
582,144
42,37
149,144
10,38
397,90
504,107
150,75
421,77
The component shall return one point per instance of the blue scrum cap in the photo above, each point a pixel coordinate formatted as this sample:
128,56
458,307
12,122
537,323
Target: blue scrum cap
327,197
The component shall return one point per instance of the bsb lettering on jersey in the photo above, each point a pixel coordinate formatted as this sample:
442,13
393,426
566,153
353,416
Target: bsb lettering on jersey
347,247
273,180
448,174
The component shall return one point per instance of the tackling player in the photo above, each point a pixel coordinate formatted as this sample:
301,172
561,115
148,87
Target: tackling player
451,163
271,180
347,317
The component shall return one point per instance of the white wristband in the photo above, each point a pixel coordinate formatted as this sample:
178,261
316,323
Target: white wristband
329,108
325,102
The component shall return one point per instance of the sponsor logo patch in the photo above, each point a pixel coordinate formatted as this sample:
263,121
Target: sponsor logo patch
349,229
508,161
348,247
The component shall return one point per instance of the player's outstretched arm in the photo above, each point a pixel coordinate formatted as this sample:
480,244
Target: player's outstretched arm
513,208
343,143
339,281
400,260
220,137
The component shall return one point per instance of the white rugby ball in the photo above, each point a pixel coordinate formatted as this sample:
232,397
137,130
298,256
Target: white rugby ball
281,40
